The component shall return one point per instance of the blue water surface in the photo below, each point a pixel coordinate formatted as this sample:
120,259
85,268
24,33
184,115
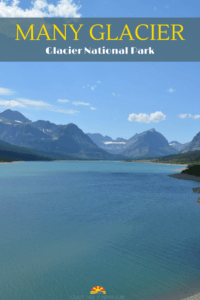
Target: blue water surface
68,226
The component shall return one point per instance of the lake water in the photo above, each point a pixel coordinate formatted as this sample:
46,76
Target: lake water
66,227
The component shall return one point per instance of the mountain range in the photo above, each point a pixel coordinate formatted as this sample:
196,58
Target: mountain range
70,142
149,143
178,146
193,145
58,141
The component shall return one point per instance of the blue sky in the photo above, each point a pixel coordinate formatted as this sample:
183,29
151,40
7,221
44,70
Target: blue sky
115,99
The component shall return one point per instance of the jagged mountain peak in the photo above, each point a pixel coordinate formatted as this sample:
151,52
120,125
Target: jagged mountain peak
152,130
149,144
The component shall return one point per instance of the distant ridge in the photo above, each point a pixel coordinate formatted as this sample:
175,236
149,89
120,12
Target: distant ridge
70,142
178,146
14,116
58,141
149,144
135,147
193,145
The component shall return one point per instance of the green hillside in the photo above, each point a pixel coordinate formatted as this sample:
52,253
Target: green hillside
183,158
10,152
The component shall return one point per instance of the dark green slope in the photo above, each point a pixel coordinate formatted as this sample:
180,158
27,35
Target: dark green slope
192,170
182,158
150,144
10,152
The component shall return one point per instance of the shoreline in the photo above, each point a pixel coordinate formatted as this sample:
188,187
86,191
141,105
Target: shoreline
10,162
194,297
185,177
180,170
159,163
195,190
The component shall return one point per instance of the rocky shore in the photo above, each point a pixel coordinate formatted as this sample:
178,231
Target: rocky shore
195,297
185,177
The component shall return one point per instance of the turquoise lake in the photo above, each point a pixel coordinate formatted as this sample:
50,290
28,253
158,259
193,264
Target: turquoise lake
66,227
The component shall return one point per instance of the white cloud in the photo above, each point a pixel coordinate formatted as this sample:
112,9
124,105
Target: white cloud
196,117
156,117
183,116
33,102
63,101
5,92
45,105
39,9
63,111
93,87
98,81
115,95
93,108
11,103
171,90
80,103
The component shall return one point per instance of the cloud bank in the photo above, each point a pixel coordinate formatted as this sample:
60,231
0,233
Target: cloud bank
39,9
80,103
5,92
38,105
183,116
156,117
63,100
11,103
33,104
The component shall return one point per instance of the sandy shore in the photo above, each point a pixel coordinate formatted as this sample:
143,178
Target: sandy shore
10,162
159,163
169,164
179,170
